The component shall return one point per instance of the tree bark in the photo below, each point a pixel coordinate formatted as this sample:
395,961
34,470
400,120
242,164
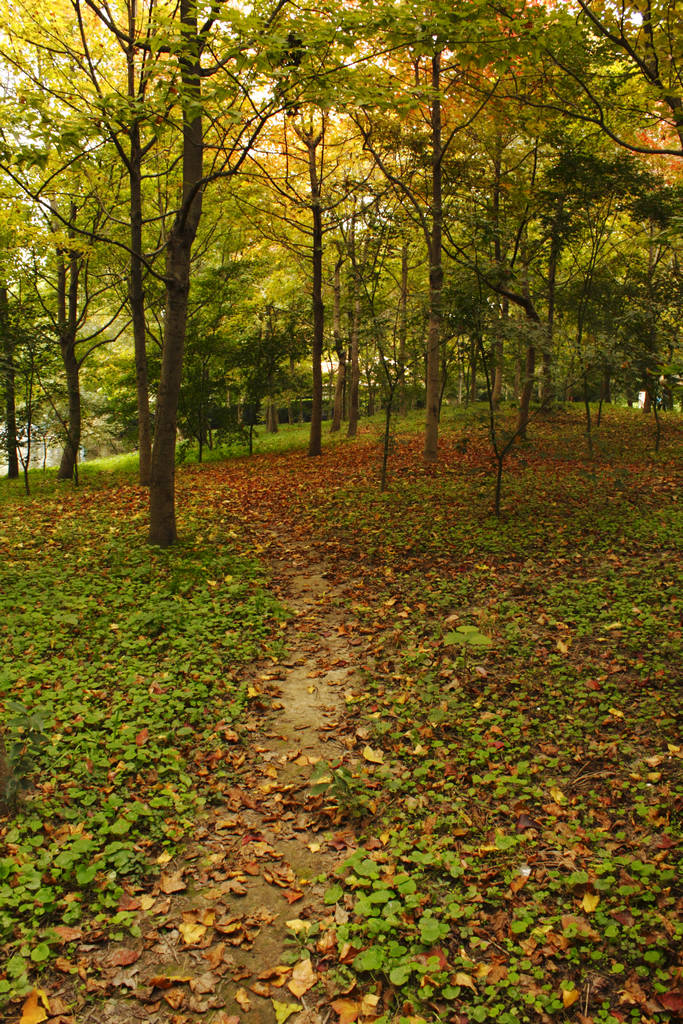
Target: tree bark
354,389
136,293
67,322
312,141
340,349
403,332
10,393
435,276
162,516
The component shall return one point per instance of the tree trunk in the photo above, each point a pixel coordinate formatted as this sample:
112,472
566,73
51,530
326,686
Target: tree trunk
355,360
10,395
340,349
162,517
433,388
403,332
315,439
136,298
67,321
136,293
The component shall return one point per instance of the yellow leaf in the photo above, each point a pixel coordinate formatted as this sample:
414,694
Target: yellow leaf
253,692
569,997
368,1007
164,858
147,902
297,925
314,847
303,978
557,795
615,712
590,901
242,997
374,756
465,980
562,647
192,932
32,1012
284,1010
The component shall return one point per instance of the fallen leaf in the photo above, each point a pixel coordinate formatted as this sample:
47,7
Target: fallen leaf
123,957
569,997
67,934
590,901
172,883
165,981
192,932
303,978
464,980
242,998
346,1009
284,1010
32,1012
374,756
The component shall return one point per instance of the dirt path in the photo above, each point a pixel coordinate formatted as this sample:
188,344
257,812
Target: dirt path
215,943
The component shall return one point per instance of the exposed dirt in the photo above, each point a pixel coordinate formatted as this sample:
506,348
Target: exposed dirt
218,949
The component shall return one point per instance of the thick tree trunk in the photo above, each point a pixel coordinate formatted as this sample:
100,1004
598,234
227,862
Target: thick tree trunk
162,516
340,349
10,396
315,438
433,388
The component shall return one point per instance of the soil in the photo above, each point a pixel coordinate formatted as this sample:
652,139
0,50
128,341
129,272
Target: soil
219,950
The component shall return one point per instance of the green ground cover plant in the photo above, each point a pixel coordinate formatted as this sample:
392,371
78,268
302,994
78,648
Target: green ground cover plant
518,824
120,688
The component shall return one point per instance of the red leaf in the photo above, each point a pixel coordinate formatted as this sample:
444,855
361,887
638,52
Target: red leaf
142,736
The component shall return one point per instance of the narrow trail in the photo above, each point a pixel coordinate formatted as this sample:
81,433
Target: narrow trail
216,946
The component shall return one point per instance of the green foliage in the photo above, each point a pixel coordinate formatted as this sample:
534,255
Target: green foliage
121,678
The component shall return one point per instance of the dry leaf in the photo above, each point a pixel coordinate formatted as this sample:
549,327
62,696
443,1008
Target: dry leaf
346,1009
374,756
167,980
590,901
33,1012
172,883
175,997
303,978
123,957
242,999
465,980
192,932
569,997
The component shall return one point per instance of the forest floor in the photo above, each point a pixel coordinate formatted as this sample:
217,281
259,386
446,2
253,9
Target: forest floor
416,763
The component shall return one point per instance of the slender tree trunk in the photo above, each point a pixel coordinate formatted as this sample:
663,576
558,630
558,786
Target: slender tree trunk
136,293
403,332
341,354
435,277
162,517
10,395
355,359
136,297
67,319
315,439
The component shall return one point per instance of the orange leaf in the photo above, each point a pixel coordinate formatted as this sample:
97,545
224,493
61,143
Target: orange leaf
32,1012
569,997
346,1009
